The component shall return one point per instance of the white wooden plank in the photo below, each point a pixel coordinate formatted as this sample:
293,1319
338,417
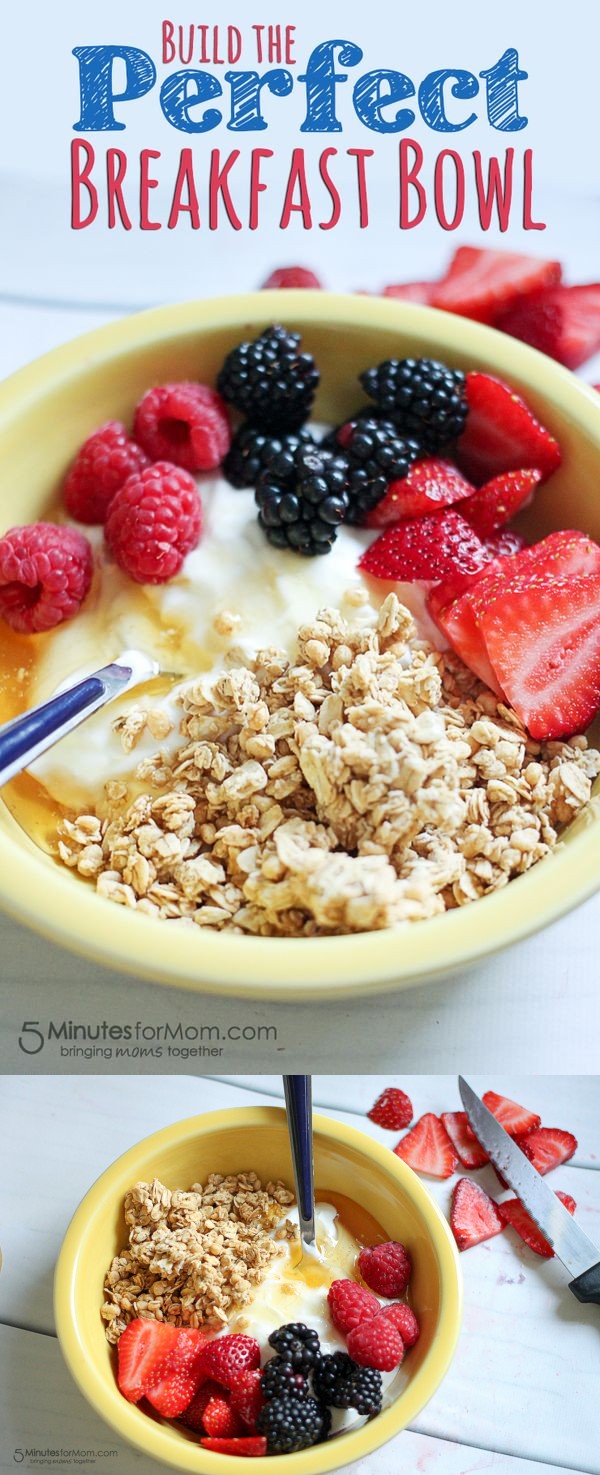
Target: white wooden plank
40,1408
524,1001
524,1336
552,1097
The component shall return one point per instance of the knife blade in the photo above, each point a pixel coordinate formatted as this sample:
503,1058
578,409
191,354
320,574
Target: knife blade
580,1257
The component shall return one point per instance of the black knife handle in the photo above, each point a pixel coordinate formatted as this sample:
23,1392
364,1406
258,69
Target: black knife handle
587,1286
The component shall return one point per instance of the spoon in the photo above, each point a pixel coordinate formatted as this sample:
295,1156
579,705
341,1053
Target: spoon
23,739
298,1102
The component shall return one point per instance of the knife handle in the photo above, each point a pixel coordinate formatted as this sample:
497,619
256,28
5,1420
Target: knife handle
587,1286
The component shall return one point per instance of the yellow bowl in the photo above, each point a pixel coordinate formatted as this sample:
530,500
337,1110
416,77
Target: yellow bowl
346,1161
46,411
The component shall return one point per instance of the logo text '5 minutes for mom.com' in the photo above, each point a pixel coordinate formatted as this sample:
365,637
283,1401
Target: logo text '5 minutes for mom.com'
140,1040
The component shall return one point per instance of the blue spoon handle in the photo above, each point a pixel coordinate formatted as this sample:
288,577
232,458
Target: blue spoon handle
298,1101
23,739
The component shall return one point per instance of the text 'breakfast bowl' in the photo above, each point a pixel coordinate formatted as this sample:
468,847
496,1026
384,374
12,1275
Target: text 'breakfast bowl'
332,803
366,1192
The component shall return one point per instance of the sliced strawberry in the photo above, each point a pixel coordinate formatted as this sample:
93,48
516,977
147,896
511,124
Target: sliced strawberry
543,643
193,1415
252,1446
513,1213
426,548
228,1357
500,499
247,1398
470,1151
172,1394
429,485
563,322
474,1216
410,292
460,624
220,1419
427,1148
505,542
563,554
502,433
548,1147
514,1118
481,283
150,1351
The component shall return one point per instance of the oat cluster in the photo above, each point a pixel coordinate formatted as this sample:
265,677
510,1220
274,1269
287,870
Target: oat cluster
194,1257
375,781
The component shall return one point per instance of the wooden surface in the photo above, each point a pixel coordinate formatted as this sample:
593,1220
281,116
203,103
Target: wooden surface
522,1393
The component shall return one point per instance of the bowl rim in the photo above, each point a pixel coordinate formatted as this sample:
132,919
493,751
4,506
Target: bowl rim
299,968
314,1461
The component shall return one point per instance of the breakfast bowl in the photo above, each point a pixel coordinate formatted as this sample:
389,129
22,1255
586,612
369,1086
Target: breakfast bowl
243,1140
48,409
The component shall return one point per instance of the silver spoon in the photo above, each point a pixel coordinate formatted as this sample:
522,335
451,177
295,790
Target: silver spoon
298,1102
23,739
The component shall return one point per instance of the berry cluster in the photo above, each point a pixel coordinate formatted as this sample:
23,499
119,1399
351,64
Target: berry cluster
301,1385
302,498
139,486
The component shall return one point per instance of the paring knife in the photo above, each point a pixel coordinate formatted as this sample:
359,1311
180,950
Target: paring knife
580,1257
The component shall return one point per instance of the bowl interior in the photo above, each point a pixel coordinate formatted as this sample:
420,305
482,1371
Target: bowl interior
48,409
345,1162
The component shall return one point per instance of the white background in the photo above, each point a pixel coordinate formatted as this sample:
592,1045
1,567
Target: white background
521,1395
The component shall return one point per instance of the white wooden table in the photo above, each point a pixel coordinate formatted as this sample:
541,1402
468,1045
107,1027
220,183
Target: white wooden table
521,1397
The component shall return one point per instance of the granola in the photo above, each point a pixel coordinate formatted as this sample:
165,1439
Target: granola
193,1257
374,782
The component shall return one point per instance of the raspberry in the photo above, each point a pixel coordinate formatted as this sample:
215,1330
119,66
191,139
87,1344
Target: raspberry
393,1109
404,1320
153,521
350,1304
45,574
101,466
291,276
377,1344
386,1268
183,423
226,1358
221,1421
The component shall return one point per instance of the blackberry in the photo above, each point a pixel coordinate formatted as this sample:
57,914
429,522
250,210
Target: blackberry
291,1424
297,1345
270,381
377,454
425,399
252,452
301,507
340,1382
279,1377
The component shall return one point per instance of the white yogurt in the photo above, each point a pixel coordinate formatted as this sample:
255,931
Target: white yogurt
234,569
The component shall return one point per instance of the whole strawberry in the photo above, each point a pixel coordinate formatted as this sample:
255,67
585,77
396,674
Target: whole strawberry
392,1110
386,1268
